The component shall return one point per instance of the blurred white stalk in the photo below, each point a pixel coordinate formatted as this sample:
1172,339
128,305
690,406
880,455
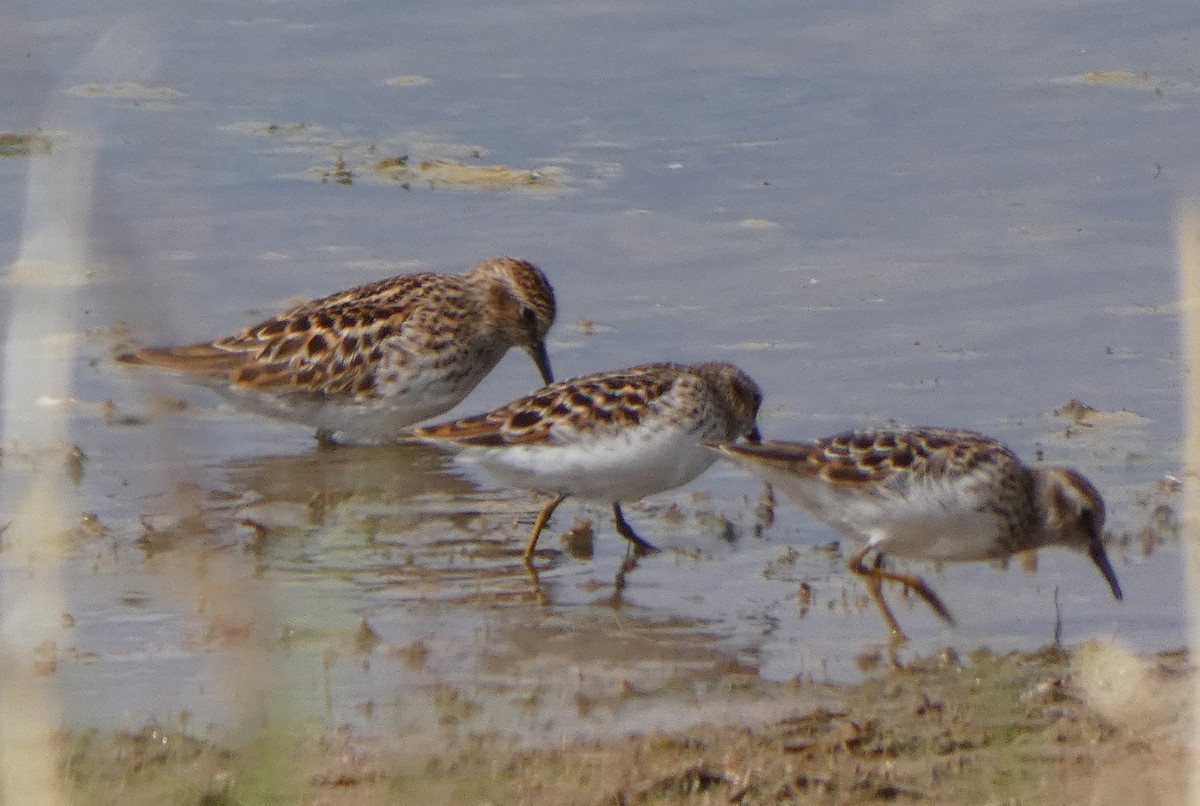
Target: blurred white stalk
36,484
43,289
1188,235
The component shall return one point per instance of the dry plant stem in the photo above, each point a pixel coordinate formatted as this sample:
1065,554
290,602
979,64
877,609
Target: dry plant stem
38,355
1188,237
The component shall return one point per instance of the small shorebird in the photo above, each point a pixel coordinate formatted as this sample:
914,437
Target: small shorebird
364,363
613,436
931,494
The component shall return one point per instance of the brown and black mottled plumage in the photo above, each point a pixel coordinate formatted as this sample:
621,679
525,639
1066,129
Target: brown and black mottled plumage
611,436
935,494
596,406
372,359
857,457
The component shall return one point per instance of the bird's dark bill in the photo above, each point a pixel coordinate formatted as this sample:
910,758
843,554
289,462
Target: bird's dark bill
1100,558
542,360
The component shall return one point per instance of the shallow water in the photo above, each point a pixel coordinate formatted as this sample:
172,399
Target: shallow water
920,214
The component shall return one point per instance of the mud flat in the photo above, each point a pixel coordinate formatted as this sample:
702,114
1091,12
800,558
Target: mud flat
1092,725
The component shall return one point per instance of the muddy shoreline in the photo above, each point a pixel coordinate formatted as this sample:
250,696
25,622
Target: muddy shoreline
1092,725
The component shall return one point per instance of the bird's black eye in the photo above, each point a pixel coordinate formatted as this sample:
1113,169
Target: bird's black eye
529,316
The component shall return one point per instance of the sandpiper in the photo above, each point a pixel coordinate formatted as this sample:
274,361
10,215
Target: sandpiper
931,494
362,364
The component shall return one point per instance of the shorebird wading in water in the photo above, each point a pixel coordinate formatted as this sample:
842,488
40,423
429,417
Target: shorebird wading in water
931,494
362,364
609,437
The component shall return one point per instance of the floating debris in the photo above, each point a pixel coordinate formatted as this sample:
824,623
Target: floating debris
76,460
406,81
1119,78
365,638
1076,410
340,174
453,173
579,541
23,145
127,91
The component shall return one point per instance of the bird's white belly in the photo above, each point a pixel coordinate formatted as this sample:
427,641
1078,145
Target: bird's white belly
937,523
613,469
375,419
948,536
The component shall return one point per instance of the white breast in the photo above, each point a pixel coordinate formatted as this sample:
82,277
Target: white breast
940,521
622,467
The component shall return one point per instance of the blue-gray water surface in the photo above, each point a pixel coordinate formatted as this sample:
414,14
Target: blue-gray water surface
924,213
